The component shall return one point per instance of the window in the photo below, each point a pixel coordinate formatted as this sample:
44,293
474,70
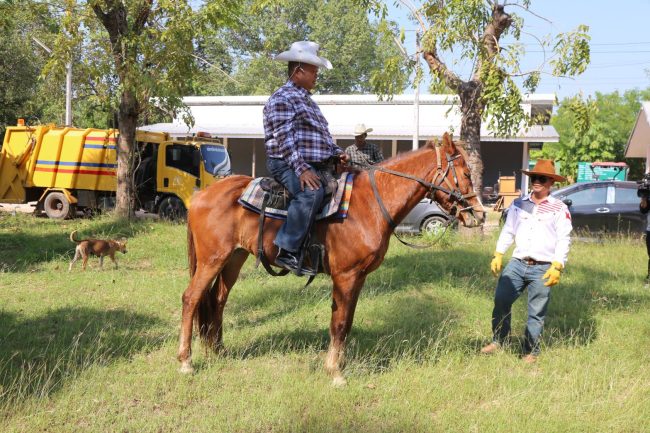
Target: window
626,196
216,159
588,196
184,158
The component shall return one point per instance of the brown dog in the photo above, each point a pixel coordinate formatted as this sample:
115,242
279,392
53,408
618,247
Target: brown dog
97,247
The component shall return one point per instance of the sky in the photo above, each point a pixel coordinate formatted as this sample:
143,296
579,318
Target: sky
620,47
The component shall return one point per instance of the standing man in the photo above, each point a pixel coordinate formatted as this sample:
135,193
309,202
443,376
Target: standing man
540,226
362,152
644,207
298,144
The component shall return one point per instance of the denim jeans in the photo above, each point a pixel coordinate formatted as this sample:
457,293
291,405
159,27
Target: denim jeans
515,278
303,206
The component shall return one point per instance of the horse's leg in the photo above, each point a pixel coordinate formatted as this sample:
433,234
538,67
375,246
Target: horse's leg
344,301
202,278
222,287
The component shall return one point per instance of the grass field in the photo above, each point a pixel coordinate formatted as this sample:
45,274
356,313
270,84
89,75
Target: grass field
95,351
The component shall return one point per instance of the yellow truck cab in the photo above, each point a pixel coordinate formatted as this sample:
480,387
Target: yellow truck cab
64,170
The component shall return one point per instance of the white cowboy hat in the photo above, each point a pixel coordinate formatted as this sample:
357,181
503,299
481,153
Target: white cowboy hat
304,52
361,129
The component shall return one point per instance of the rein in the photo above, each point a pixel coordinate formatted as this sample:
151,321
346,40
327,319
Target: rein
453,192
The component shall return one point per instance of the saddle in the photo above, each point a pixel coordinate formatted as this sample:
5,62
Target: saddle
269,198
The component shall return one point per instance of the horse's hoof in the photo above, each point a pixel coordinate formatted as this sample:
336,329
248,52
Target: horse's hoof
186,368
339,382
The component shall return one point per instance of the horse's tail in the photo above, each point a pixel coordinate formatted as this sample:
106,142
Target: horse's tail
207,306
191,252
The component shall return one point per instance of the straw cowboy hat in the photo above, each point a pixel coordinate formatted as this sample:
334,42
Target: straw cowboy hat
304,52
545,167
360,129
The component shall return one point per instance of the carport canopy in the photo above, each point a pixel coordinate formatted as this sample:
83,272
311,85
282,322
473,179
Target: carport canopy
638,145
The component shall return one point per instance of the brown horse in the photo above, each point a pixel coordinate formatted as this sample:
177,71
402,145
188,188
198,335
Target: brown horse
221,235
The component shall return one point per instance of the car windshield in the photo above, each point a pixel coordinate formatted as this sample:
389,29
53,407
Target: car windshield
216,159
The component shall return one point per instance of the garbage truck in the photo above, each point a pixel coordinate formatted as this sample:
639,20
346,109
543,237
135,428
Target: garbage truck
65,170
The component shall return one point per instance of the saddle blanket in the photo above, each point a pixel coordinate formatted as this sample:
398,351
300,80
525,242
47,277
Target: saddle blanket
338,205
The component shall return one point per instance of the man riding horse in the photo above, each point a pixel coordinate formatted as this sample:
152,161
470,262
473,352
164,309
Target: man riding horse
298,144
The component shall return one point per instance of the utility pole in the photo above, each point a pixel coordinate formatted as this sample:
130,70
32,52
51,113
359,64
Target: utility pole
416,96
416,99
68,83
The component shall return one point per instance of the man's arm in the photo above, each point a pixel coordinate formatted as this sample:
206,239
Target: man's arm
507,236
563,229
643,206
378,156
282,115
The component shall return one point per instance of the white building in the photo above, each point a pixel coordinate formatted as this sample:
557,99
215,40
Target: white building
238,120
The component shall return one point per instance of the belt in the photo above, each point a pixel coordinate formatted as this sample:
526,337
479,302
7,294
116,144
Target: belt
530,261
326,164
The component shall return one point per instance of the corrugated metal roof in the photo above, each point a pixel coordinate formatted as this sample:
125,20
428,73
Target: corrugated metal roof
241,117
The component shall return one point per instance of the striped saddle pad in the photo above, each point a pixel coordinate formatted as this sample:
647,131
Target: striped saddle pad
337,206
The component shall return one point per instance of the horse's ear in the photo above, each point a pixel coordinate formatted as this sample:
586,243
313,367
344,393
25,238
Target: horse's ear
433,143
447,141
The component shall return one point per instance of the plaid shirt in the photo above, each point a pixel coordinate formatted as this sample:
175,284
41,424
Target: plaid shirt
370,154
296,130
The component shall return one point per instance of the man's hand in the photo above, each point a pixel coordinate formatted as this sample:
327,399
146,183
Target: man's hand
310,179
553,274
344,157
497,263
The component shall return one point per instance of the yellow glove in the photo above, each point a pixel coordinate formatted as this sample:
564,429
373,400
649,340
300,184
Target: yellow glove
497,262
553,274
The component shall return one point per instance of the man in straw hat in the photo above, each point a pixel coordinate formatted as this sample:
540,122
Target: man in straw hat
540,225
298,144
362,152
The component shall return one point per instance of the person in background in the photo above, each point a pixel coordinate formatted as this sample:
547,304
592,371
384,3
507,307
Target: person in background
644,207
540,226
362,152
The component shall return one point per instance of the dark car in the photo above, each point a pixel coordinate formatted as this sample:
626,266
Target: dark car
611,206
426,216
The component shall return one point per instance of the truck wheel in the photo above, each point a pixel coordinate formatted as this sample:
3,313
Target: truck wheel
434,225
57,206
172,209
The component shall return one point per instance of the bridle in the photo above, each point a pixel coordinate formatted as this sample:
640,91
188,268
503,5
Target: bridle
440,177
455,187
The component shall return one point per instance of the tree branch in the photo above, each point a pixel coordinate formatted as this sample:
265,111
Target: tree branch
490,40
142,17
440,69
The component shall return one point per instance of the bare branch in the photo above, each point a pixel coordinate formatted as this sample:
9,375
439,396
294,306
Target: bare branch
529,11
415,13
212,65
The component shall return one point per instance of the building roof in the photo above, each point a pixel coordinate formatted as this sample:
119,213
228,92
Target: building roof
639,141
241,117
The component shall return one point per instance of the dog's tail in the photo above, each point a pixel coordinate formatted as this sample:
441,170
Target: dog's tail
72,238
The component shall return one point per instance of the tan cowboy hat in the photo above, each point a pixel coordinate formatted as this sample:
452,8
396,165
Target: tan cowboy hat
545,167
304,52
360,129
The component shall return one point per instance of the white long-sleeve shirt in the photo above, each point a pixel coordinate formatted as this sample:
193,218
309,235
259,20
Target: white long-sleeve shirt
540,232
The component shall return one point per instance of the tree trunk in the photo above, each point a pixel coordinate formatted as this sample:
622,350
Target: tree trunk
127,118
470,129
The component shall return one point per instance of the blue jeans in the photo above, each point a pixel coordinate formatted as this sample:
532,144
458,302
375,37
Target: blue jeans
303,206
515,278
